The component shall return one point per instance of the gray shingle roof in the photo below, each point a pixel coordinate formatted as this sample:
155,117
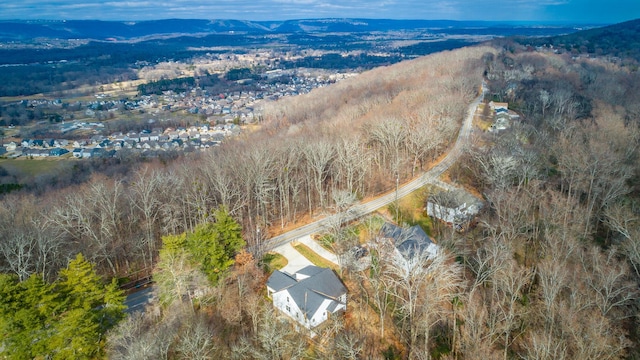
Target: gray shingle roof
408,241
310,270
310,292
279,280
307,300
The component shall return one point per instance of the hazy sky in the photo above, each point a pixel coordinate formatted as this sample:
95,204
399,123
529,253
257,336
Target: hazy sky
580,11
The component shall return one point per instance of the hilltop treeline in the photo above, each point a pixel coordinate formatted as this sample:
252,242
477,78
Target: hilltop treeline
550,271
619,40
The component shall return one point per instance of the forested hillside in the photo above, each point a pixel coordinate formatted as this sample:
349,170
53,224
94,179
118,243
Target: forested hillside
267,179
549,272
555,264
620,40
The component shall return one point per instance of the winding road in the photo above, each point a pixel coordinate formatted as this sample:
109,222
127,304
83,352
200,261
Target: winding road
429,177
138,300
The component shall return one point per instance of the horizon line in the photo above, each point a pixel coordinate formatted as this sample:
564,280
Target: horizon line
529,22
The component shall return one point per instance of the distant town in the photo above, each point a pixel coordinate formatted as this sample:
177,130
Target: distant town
81,128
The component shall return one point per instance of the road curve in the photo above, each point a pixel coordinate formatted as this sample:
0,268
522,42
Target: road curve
429,177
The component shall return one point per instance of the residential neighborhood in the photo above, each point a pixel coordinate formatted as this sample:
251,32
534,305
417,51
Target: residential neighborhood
183,139
219,115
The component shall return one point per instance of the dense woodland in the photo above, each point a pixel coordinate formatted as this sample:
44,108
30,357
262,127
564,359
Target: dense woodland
619,40
550,272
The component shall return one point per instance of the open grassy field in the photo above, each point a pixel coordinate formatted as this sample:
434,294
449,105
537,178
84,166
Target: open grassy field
410,210
34,167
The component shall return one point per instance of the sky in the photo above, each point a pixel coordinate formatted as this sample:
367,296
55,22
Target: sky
571,11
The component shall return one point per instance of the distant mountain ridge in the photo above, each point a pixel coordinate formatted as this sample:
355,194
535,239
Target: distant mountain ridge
621,40
126,30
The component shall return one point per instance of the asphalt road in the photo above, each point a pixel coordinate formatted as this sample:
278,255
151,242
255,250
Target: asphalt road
429,177
138,300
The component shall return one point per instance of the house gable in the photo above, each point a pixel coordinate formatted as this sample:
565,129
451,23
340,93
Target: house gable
309,295
279,281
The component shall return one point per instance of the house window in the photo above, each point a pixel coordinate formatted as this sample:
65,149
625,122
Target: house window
288,308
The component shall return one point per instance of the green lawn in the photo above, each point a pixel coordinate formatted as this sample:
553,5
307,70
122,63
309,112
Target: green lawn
368,227
32,167
316,259
411,210
273,261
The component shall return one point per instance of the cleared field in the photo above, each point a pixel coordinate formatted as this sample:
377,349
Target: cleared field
411,211
33,167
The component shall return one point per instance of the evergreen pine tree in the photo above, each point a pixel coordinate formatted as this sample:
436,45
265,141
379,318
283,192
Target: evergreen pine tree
91,309
65,320
214,245
26,310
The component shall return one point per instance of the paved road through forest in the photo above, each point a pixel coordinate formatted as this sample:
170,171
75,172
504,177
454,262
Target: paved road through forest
429,177
138,300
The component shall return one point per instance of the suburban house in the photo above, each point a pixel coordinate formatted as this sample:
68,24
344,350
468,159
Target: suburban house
502,116
310,296
456,208
58,152
87,153
501,122
407,244
11,146
499,106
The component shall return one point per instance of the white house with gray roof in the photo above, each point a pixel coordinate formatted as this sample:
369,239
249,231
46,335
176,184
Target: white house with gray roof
309,296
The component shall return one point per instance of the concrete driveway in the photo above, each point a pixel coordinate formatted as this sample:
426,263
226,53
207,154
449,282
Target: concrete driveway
313,245
296,260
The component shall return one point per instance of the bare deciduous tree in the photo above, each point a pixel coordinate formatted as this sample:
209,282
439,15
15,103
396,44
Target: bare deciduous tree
145,196
389,135
423,289
540,347
609,282
352,164
477,337
95,218
196,341
508,290
318,156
